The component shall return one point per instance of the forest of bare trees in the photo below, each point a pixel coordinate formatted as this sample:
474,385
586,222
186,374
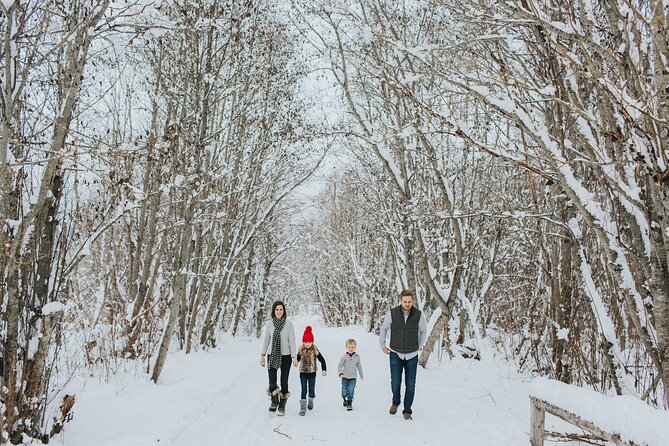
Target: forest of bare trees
514,156
508,160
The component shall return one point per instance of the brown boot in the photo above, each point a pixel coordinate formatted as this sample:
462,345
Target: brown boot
407,416
275,399
392,410
281,410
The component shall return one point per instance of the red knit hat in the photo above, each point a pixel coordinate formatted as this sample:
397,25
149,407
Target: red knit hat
308,336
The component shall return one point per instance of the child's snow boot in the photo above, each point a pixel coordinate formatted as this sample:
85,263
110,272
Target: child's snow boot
281,409
349,406
274,395
345,401
303,407
310,403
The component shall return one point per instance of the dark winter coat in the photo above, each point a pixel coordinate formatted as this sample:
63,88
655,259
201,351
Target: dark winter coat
404,333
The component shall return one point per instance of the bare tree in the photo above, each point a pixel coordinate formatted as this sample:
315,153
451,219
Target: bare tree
46,49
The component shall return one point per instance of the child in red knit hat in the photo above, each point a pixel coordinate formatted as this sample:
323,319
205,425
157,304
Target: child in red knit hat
307,355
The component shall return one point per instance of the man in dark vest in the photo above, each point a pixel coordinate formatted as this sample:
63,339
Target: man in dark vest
408,331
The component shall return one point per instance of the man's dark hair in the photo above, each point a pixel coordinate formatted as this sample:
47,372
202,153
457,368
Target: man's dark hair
406,293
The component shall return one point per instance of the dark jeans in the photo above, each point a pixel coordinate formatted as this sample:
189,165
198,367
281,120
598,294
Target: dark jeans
286,362
397,366
308,380
347,388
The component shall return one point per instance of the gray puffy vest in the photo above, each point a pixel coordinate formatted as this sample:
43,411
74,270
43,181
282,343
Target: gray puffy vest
404,335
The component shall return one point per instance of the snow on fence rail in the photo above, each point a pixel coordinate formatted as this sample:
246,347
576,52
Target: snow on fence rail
622,420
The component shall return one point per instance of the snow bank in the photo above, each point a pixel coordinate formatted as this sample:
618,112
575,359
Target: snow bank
217,398
627,416
52,307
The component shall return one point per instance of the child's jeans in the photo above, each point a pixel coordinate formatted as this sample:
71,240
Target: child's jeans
308,380
347,388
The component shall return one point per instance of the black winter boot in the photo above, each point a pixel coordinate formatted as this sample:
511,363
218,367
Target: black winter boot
281,410
275,399
349,406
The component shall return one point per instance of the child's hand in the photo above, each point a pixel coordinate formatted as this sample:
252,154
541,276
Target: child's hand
341,375
262,360
325,373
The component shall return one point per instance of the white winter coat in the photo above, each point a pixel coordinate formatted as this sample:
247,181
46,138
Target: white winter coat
287,339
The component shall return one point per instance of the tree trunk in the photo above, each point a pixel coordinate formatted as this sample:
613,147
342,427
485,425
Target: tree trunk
659,211
432,338
243,297
178,289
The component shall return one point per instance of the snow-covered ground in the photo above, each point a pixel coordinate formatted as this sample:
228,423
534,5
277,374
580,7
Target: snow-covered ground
218,398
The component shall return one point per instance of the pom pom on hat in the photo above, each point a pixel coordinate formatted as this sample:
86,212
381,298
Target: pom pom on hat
308,336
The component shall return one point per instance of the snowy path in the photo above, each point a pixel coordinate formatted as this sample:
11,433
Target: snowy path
217,398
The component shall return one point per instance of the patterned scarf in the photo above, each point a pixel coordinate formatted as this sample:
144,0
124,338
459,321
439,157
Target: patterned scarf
275,355
308,359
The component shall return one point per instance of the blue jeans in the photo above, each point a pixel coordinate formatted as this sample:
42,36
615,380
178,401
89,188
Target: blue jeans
397,366
347,388
308,381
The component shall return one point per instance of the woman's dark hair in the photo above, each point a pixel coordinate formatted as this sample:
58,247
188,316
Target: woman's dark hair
276,304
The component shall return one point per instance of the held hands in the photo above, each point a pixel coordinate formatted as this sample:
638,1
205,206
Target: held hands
385,350
324,373
262,361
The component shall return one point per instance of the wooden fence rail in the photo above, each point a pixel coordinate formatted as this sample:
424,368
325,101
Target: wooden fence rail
538,409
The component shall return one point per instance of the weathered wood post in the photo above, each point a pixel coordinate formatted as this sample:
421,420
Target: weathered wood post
537,420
